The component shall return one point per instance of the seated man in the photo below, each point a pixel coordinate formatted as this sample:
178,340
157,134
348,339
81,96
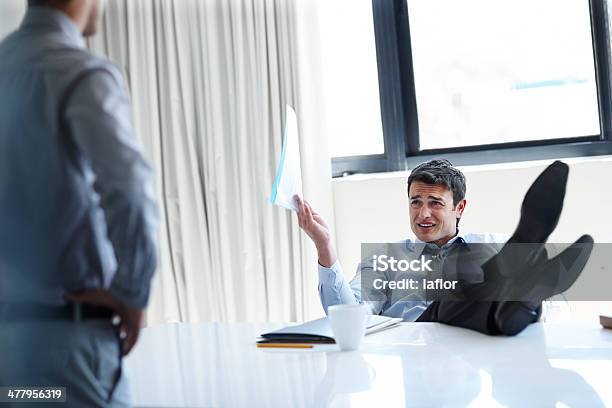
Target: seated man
436,192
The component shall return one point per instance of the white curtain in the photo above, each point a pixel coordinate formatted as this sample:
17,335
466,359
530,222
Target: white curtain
209,80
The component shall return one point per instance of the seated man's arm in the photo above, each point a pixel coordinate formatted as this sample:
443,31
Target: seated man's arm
333,287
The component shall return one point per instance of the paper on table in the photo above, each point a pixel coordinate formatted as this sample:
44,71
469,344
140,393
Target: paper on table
288,180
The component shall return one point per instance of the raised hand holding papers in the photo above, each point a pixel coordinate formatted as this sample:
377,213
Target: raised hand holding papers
288,182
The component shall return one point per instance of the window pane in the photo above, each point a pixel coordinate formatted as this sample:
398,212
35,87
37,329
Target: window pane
502,71
350,78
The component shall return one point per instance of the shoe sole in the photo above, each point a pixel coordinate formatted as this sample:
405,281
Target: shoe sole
542,205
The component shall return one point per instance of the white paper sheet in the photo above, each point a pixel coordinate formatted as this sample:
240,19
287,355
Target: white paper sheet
288,180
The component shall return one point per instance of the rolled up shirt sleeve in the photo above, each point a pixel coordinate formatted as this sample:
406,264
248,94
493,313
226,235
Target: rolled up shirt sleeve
99,116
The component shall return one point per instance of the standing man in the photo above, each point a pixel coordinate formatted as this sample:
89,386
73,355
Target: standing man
78,218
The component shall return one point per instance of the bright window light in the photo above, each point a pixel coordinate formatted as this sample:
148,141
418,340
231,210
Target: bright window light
350,78
505,71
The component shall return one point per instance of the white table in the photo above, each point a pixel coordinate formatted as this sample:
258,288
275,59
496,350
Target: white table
416,364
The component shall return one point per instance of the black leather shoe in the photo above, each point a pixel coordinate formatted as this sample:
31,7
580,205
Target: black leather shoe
542,205
540,213
512,317
550,278
556,275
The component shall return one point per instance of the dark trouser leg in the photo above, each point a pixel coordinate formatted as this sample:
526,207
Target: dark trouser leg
492,318
467,314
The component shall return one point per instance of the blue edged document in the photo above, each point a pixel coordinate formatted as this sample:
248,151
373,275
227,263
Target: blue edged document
288,181
320,331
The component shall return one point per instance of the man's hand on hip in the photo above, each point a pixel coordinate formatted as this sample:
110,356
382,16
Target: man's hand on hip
130,318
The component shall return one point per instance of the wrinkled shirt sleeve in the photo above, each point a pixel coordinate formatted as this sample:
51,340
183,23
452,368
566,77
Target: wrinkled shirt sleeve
335,290
99,118
333,287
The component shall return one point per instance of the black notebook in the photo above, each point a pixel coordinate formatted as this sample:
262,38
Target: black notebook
320,332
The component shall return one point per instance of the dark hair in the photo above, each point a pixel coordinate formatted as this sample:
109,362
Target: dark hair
440,172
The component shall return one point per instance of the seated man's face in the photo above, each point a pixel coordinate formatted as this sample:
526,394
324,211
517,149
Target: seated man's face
433,217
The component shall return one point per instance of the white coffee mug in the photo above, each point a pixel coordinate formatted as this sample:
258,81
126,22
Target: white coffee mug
348,323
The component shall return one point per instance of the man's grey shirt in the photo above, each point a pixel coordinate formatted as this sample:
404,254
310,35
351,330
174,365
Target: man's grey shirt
77,206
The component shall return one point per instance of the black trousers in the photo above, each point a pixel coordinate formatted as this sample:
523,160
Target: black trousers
492,318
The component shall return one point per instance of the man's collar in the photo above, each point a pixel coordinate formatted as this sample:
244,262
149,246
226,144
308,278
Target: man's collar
51,20
417,246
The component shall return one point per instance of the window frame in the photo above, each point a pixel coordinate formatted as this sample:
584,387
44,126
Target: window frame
399,106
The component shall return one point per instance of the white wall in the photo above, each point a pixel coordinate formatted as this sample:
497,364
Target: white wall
374,208
11,12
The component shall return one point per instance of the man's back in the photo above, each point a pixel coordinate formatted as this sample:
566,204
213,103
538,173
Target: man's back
45,202
53,210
